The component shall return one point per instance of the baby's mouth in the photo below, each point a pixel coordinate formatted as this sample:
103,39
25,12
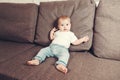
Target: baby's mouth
65,29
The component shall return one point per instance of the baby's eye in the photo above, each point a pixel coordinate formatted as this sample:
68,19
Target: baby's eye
62,25
67,24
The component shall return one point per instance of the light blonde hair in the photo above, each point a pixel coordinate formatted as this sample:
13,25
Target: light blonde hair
61,18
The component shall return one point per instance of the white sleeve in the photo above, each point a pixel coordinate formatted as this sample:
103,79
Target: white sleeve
73,38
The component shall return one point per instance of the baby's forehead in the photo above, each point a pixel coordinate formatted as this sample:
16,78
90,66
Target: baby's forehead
64,20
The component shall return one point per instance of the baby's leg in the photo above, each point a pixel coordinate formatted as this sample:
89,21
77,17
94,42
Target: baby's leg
62,62
42,54
34,62
62,68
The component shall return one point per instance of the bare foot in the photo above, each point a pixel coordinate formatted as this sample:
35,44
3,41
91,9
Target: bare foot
62,68
33,62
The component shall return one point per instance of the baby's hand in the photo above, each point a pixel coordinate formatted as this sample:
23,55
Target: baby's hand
54,29
85,39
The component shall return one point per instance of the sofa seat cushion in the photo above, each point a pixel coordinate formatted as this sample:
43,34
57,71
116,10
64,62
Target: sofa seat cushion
18,21
9,50
81,13
82,65
106,42
15,68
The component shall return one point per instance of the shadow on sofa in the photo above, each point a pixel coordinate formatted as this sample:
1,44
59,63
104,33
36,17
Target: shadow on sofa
4,77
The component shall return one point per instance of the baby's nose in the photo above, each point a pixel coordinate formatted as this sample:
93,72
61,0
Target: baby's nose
65,26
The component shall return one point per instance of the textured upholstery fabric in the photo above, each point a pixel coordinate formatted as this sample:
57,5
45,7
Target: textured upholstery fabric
18,21
81,13
82,66
9,50
106,42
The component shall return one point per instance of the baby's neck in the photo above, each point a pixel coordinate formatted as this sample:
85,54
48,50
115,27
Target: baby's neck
64,31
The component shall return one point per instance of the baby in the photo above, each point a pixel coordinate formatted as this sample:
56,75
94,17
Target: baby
61,40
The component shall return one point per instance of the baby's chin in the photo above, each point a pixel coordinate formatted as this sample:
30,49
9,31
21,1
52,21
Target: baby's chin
65,30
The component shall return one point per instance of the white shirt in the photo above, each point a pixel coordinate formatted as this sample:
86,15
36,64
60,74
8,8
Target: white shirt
64,38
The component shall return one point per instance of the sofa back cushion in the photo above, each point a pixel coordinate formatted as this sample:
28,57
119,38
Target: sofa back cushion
81,13
107,29
18,21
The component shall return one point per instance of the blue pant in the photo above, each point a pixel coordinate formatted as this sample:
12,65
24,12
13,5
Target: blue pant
54,50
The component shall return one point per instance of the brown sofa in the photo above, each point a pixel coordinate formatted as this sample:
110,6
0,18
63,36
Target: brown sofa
24,30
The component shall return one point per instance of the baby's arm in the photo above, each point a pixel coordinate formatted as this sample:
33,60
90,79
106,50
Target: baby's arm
81,40
52,33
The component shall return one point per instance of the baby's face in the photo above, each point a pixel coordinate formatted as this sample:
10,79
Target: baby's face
64,25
